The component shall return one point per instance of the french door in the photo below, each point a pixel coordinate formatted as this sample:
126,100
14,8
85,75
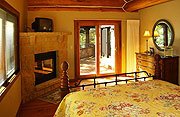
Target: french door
97,48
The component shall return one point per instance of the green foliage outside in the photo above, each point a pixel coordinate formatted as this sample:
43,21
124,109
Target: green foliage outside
160,40
92,37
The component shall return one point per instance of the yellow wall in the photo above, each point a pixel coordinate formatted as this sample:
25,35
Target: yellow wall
9,105
64,21
168,11
21,7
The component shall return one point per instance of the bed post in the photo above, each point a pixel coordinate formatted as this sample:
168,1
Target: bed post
64,79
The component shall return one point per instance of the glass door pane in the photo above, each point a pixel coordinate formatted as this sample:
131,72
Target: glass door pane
87,50
107,49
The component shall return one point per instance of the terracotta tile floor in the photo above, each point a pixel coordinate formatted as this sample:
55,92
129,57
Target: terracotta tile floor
87,65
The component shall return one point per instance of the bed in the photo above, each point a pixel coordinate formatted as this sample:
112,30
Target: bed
153,98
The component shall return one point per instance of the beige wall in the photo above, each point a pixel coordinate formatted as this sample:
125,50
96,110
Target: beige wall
64,21
168,11
9,105
21,7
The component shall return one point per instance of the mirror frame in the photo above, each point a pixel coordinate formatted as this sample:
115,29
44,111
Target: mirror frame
172,31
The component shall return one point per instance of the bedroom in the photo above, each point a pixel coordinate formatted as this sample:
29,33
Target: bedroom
147,17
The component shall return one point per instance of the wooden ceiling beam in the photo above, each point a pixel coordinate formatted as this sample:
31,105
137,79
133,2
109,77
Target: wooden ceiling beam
140,4
74,9
92,5
114,3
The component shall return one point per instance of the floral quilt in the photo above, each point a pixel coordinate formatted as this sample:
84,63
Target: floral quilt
154,98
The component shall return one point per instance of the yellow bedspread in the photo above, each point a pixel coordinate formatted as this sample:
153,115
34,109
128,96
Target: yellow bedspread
154,98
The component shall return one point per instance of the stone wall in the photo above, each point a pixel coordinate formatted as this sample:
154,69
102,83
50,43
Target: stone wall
87,52
39,42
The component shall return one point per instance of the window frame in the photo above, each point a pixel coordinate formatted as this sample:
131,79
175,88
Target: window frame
10,10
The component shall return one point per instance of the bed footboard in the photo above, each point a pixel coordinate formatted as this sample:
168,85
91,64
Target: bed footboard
132,76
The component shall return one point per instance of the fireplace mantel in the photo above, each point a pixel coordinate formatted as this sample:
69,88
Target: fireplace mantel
32,43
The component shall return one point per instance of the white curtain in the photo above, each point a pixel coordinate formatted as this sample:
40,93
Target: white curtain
2,57
10,52
132,44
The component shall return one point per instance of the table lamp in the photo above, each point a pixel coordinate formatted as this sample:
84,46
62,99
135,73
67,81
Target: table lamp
147,35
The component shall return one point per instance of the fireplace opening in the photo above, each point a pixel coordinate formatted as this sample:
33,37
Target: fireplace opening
45,67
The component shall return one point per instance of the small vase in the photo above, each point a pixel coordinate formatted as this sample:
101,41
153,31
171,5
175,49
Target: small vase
168,51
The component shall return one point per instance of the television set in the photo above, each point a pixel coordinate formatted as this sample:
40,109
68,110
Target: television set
42,25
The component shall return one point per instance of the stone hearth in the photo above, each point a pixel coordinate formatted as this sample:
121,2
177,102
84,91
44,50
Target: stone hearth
32,43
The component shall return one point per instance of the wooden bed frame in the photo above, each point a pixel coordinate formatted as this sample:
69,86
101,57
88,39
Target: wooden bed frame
65,85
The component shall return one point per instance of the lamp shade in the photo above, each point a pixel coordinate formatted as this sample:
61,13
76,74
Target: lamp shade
146,34
156,34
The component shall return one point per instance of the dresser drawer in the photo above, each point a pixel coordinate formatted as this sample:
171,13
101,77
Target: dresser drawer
147,69
146,63
145,57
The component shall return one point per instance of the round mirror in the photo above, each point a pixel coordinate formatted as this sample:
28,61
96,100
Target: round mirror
163,34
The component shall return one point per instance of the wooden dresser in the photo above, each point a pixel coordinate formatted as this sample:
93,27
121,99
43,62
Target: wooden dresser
165,68
145,62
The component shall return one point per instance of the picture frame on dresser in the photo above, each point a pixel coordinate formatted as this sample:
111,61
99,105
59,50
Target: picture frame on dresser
151,50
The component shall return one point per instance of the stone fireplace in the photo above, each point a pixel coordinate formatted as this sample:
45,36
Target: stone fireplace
41,56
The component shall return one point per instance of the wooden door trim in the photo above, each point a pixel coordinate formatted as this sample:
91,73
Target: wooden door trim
97,50
118,65
76,45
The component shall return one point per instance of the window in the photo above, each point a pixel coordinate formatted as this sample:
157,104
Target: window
8,44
